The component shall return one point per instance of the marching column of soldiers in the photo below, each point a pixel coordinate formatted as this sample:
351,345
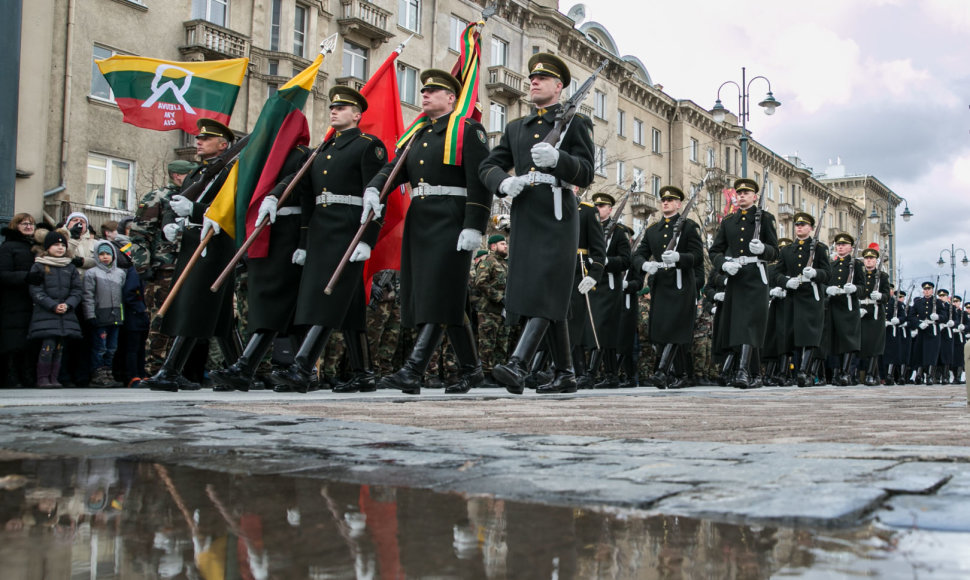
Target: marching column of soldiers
566,297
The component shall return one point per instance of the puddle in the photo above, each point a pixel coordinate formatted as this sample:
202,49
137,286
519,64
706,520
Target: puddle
111,518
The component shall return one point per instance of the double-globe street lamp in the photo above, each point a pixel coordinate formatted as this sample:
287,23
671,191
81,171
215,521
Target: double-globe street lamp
874,218
953,265
719,112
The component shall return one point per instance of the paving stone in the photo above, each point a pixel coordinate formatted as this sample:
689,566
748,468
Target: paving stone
950,513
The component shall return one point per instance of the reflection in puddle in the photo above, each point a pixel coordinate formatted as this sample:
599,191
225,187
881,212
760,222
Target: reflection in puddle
111,518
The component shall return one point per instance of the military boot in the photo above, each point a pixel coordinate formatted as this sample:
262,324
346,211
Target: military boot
513,373
804,378
169,377
300,376
470,374
239,375
872,373
363,380
564,380
409,377
742,379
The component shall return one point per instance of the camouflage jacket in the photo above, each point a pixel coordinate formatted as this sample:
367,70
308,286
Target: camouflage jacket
489,283
150,250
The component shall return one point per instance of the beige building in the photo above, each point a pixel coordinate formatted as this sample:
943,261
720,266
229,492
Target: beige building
74,152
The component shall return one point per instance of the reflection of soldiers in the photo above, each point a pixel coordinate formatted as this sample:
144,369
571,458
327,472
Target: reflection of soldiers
384,320
489,283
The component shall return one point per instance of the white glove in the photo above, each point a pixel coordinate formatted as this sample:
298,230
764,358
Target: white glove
171,231
469,239
361,252
586,284
913,333
545,155
670,257
924,325
849,288
299,257
259,564
719,296
627,285
950,324
863,312
372,203
889,323
756,247
731,268
894,320
961,328
934,317
778,292
512,186
808,272
833,290
208,224
651,267
875,295
181,205
267,208
792,284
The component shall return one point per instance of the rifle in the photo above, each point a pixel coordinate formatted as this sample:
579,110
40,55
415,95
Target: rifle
761,207
617,214
851,276
213,170
383,279
811,252
565,114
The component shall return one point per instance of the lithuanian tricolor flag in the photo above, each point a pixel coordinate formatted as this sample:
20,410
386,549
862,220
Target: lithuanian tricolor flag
165,95
281,126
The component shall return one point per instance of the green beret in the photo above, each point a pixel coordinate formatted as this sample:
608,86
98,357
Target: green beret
182,167
341,95
481,253
495,238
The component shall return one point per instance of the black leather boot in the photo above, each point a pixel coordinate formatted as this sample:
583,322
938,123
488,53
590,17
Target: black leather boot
930,376
364,380
771,373
661,377
169,377
513,373
564,380
722,379
239,375
299,376
470,374
609,371
845,377
889,379
872,373
805,378
742,380
409,377
586,375
783,378
904,372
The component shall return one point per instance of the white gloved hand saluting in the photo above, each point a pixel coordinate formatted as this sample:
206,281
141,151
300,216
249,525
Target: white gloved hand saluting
670,257
372,203
267,208
545,155
512,186
469,239
792,283
586,284
756,247
809,272
361,252
299,257
171,231
181,205
731,268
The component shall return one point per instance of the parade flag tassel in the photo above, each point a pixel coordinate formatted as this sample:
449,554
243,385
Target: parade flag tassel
168,95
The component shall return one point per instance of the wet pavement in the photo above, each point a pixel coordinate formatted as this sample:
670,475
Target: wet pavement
704,482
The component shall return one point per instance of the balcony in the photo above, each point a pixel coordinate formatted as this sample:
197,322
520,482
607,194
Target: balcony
502,82
207,41
352,82
366,19
586,110
785,211
643,204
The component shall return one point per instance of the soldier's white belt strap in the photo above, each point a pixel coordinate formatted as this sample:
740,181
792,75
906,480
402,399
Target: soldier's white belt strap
743,260
867,301
536,177
334,199
424,189
291,210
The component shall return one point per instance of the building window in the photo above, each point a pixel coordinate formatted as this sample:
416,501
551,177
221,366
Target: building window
496,117
727,159
273,67
99,85
274,27
655,140
500,52
655,185
694,147
781,230
299,30
215,11
409,14
569,91
620,173
621,122
638,180
599,106
711,157
407,82
110,182
638,131
768,190
355,60
599,160
271,89
781,194
458,26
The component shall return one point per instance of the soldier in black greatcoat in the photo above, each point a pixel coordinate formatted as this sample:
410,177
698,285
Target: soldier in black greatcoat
606,298
736,252
449,204
874,286
959,319
842,315
590,257
196,312
928,317
946,340
545,224
892,360
673,276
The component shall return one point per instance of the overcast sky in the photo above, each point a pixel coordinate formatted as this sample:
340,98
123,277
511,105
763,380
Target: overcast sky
882,84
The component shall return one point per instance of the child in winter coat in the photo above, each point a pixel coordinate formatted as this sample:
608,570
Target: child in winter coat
55,288
134,332
103,311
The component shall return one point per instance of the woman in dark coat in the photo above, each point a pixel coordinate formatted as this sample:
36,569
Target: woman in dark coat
16,258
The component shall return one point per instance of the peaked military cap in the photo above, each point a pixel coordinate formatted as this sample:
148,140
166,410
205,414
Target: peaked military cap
804,218
957,299
844,238
928,284
745,184
182,167
870,253
603,198
671,192
438,79
549,65
782,242
495,238
942,292
340,95
213,128
901,293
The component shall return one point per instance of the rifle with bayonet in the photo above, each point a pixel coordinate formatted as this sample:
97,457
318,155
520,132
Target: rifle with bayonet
617,214
851,276
565,114
761,207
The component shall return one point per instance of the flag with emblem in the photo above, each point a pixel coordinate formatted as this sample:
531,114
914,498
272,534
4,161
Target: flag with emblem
165,95
466,104
281,126
730,201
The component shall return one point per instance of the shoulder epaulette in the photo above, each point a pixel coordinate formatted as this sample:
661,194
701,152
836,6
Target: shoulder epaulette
586,203
366,136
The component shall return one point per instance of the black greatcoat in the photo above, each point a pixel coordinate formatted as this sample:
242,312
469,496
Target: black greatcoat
274,280
845,326
804,307
673,309
589,260
16,259
606,298
926,346
344,166
744,312
434,275
197,312
874,322
542,251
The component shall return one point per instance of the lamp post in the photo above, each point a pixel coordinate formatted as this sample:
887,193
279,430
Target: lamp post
953,265
891,215
744,103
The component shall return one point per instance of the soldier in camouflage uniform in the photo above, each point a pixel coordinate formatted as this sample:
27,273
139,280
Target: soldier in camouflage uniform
384,320
648,355
333,356
154,256
705,371
489,284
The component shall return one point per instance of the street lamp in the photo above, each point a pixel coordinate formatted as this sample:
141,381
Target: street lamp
953,265
874,218
719,112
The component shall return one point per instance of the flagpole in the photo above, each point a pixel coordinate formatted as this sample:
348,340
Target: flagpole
185,273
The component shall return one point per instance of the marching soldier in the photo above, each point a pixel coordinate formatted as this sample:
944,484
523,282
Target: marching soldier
606,298
845,328
590,257
959,319
742,256
384,320
774,351
331,202
631,282
673,276
891,354
875,289
449,204
946,340
545,222
489,280
926,317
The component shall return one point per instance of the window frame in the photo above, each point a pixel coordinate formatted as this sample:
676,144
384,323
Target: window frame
275,24
695,146
599,104
456,25
297,33
656,140
638,132
599,160
407,73
96,75
129,201
404,13
503,46
365,57
620,173
207,15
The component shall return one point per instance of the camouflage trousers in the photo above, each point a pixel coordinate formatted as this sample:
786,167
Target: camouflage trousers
333,355
156,292
493,340
704,366
443,362
647,359
383,335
